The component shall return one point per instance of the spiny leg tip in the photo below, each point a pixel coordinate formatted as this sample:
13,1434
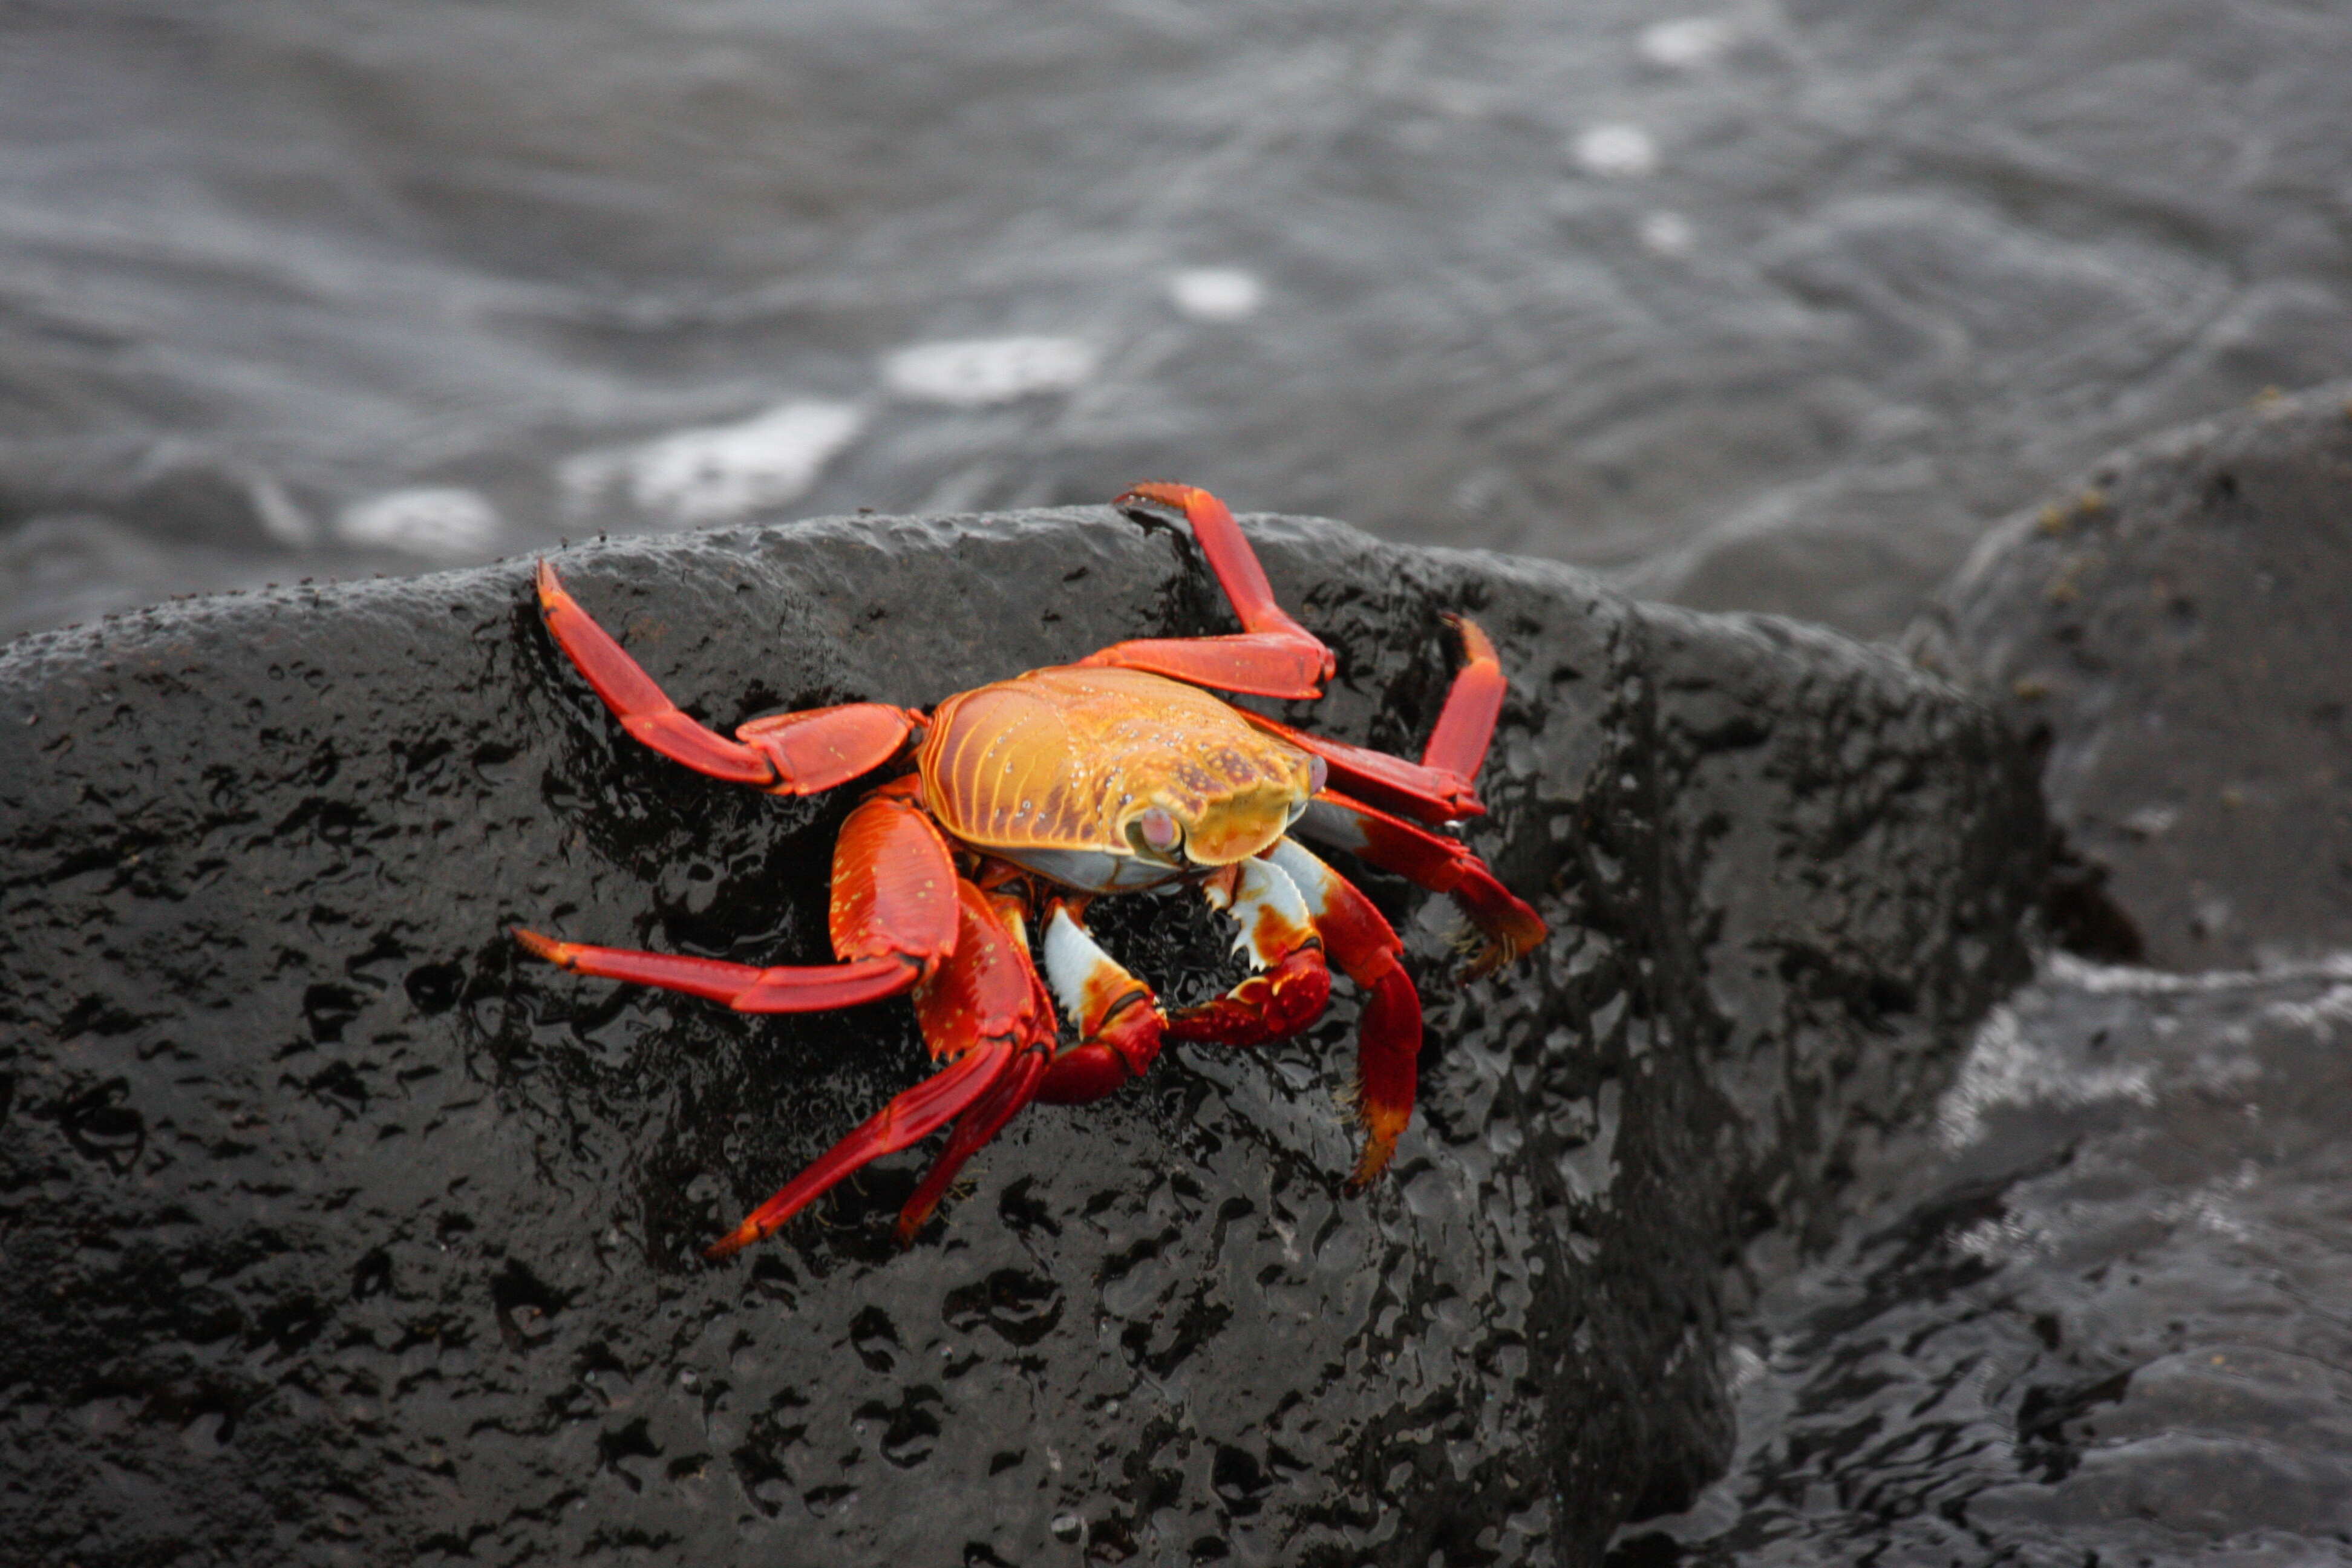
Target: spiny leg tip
1378,1152
538,946
728,1246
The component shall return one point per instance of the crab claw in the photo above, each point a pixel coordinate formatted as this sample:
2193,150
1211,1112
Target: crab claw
1293,984
1117,1019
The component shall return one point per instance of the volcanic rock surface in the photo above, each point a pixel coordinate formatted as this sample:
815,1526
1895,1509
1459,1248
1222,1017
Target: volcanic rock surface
2175,632
336,1231
2093,1316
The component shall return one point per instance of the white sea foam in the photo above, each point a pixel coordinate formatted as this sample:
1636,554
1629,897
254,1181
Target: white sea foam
1616,152
2323,1015
2108,980
282,516
1667,233
441,522
717,473
976,372
1216,293
1686,43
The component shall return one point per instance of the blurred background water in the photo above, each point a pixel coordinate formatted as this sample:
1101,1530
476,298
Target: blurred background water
1768,305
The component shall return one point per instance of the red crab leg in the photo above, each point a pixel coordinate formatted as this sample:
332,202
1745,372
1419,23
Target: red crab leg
985,1010
1274,655
1438,788
785,753
1388,1035
1432,794
893,918
746,987
1119,1037
1278,931
906,1120
1466,725
1441,864
1007,1098
894,882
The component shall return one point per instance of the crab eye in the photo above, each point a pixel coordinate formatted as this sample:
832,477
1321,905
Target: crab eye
1156,831
1318,772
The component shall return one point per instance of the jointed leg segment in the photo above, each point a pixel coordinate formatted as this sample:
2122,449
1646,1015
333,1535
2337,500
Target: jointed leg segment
785,754
1273,656
1388,1035
1440,787
746,987
1441,864
985,1011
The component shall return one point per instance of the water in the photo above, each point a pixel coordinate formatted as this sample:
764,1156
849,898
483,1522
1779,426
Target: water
2102,1321
1771,305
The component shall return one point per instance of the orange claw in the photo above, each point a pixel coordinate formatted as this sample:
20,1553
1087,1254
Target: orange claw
1123,1048
1278,931
1264,1008
1119,1022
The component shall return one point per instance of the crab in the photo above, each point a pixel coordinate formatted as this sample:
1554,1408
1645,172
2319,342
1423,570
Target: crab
1003,811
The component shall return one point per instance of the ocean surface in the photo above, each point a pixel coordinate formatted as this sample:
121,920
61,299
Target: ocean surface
1753,305
2103,1317
1767,305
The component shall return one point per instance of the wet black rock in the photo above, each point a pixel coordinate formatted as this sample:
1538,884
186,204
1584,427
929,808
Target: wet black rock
2176,632
334,1232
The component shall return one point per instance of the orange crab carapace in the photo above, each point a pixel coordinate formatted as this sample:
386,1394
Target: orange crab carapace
964,877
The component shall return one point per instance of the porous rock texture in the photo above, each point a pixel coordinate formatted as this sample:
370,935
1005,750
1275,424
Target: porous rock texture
335,1231
2175,634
